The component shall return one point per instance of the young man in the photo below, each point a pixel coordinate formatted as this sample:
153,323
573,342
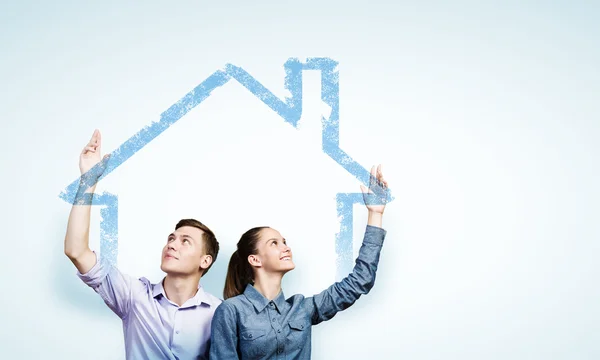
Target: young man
167,320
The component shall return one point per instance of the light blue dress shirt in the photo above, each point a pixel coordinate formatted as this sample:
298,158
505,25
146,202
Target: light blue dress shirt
153,326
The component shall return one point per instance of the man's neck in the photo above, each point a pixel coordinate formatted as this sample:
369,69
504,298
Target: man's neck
180,289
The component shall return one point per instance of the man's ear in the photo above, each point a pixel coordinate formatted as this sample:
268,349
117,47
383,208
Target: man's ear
205,263
254,260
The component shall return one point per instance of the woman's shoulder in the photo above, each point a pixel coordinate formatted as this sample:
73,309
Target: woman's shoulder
296,299
235,302
299,301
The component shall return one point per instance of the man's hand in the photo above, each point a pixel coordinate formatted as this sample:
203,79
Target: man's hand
91,153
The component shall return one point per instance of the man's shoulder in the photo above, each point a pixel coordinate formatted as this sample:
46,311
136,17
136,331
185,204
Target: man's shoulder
147,282
214,301
143,286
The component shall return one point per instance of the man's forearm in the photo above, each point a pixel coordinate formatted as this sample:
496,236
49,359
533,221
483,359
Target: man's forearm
78,230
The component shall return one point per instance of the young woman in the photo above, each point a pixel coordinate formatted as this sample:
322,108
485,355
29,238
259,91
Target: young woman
256,321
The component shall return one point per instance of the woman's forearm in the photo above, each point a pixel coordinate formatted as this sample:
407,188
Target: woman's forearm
375,219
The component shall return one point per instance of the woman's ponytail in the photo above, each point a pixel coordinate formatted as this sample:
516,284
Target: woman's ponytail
239,271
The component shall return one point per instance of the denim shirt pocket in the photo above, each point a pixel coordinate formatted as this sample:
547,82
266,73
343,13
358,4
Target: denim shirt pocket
299,333
253,343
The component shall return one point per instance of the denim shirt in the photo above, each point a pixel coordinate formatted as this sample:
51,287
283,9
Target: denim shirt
249,326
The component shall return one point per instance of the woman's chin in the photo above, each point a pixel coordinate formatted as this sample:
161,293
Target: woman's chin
288,266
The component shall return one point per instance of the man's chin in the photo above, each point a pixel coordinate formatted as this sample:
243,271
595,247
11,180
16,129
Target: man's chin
168,269
175,271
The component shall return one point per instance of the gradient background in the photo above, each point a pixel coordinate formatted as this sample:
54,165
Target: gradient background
483,114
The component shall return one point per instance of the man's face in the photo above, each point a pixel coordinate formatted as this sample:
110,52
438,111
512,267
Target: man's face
183,253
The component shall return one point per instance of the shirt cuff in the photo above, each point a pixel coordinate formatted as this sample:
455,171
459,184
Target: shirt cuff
374,235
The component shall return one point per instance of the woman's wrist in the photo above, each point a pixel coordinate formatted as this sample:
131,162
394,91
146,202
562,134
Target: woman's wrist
375,218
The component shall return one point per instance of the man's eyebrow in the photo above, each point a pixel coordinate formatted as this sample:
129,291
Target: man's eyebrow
183,236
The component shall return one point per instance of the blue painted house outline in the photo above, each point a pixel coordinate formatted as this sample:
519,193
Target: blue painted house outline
290,110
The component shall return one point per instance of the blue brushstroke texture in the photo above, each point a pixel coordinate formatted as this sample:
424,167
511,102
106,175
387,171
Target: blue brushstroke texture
289,109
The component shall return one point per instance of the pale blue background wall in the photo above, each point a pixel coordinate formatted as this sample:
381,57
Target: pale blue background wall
483,114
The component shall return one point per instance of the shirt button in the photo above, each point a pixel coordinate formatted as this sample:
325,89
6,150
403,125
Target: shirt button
177,332
273,320
279,351
279,330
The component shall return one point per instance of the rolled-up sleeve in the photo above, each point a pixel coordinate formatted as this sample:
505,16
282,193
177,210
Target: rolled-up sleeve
114,287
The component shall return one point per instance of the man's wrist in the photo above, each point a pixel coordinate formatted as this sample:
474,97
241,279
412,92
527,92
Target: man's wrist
85,192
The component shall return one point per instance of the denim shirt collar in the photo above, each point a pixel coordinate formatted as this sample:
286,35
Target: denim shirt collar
260,302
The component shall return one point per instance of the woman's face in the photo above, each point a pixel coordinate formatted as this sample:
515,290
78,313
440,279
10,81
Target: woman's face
273,252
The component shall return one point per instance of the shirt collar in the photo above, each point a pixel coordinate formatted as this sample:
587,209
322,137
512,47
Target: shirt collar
260,302
199,298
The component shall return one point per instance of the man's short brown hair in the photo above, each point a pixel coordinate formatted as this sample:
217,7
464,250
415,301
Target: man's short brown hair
211,245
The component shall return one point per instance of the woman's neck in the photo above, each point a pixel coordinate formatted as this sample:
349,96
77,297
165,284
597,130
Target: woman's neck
269,285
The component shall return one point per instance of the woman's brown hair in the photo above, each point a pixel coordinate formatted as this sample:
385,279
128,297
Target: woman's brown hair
239,271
